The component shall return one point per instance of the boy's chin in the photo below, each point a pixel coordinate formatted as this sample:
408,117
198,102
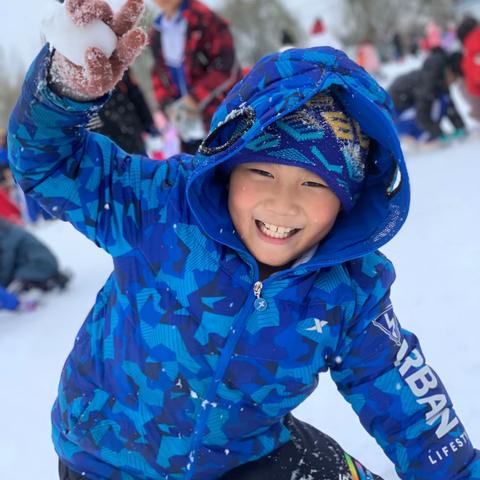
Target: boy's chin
275,263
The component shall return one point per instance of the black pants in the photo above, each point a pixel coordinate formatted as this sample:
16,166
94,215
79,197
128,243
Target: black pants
309,454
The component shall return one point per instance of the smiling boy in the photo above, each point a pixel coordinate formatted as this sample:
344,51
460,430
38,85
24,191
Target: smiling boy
240,275
280,211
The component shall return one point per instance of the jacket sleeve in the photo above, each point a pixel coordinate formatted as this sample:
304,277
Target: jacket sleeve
424,98
219,58
79,176
430,86
381,371
164,90
471,62
453,114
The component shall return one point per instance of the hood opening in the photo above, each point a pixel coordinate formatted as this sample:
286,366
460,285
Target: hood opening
384,201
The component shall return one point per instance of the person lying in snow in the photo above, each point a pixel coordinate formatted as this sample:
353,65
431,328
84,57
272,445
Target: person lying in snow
26,263
423,100
240,274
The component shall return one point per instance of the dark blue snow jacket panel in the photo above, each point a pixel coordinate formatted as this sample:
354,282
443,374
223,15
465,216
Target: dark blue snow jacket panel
175,374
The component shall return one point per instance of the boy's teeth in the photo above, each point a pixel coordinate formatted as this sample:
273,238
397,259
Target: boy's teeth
275,231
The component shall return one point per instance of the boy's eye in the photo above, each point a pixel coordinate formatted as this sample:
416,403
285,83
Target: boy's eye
263,173
314,184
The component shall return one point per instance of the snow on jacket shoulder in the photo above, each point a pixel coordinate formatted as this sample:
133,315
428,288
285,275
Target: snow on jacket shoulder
174,373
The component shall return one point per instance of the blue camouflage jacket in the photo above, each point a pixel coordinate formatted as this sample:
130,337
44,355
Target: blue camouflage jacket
175,374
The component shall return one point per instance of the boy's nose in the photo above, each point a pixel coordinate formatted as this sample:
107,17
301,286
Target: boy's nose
283,203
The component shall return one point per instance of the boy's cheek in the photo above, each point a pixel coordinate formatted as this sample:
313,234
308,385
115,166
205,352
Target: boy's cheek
241,197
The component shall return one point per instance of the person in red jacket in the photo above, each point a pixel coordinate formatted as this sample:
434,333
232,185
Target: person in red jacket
195,66
468,33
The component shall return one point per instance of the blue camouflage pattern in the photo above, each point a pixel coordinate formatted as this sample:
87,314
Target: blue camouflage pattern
174,373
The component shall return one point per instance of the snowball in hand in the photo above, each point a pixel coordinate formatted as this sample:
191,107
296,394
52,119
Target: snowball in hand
72,40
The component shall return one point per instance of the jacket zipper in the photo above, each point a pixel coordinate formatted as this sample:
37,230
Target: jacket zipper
236,329
260,303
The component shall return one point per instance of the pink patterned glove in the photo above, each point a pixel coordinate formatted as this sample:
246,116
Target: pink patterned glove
100,73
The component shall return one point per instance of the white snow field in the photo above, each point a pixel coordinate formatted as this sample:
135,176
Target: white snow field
437,258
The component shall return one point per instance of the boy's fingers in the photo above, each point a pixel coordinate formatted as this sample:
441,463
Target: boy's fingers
98,72
127,17
128,48
84,11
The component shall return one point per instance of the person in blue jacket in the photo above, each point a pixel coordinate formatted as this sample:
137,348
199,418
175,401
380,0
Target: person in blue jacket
240,274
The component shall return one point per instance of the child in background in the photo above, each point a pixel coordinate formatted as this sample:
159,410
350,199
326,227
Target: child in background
26,263
194,66
422,99
240,274
468,33
126,117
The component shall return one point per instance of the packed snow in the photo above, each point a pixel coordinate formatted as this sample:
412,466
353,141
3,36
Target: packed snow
73,40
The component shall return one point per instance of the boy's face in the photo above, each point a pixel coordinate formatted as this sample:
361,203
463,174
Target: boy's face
280,211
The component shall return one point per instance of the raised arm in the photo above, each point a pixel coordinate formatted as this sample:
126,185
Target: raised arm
79,176
381,371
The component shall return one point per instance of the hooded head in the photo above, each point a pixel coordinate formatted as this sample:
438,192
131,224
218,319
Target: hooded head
316,111
319,137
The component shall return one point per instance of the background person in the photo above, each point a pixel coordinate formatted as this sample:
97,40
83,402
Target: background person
26,263
194,66
126,117
468,33
422,98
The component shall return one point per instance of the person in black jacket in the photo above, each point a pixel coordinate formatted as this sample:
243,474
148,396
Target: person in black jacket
27,263
422,98
126,117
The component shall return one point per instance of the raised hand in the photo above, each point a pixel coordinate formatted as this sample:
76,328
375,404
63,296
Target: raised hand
100,73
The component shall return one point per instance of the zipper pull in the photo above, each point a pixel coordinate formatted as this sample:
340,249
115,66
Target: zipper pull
260,303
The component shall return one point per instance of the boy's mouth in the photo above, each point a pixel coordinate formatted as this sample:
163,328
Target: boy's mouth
276,231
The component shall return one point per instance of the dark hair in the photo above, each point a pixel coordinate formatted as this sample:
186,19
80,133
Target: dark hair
454,63
465,27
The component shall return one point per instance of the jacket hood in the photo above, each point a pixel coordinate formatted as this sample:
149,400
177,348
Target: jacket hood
277,85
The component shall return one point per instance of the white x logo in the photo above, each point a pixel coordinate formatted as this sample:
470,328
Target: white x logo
319,324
